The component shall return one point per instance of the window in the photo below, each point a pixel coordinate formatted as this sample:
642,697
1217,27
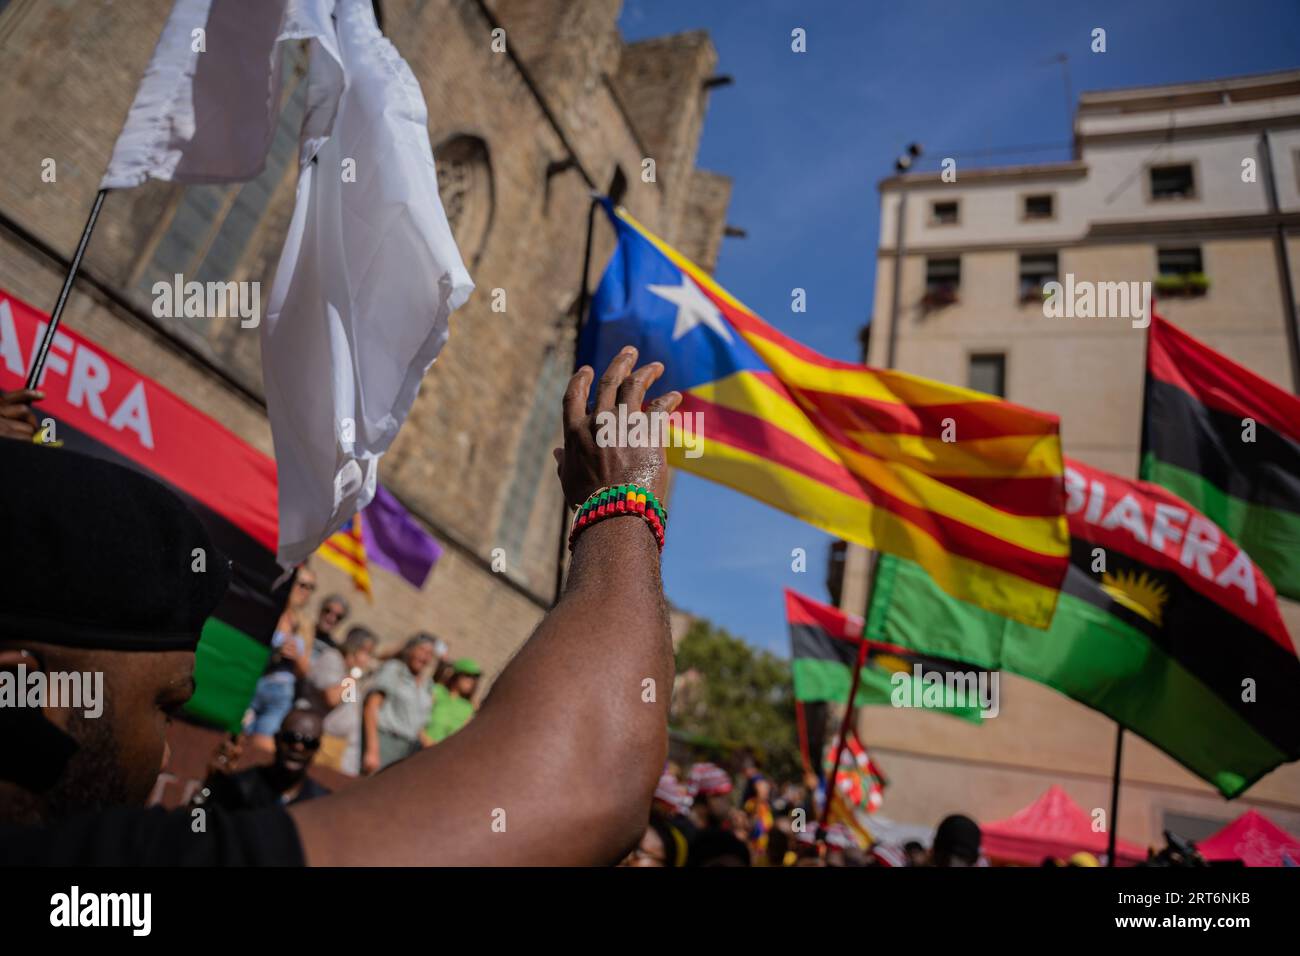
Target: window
942,277
1172,182
943,213
1173,262
1036,270
1039,207
987,373
206,232
1180,272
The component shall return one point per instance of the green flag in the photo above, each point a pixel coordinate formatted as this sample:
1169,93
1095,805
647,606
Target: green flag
1167,649
825,643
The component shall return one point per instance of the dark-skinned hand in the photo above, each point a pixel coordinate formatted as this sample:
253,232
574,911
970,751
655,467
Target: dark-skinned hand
584,466
16,417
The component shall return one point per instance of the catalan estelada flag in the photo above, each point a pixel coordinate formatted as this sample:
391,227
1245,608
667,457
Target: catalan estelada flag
965,484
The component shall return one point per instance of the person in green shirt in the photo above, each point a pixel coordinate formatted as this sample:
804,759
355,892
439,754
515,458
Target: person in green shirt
453,705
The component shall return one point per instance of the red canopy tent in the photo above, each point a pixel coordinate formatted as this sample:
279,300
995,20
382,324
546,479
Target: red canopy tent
1252,838
1055,826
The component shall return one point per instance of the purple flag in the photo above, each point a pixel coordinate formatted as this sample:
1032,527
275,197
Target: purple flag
395,541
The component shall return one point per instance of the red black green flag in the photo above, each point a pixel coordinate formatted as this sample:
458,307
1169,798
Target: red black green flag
1164,624
103,407
824,647
1227,442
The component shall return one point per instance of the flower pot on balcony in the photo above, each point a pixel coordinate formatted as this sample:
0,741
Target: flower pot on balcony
937,298
1168,285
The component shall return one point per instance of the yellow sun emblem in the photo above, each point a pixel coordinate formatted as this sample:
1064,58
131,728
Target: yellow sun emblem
1139,592
892,663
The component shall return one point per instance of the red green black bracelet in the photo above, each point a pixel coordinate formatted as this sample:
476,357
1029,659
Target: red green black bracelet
621,500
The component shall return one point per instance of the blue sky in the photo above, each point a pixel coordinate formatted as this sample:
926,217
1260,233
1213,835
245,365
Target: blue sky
806,137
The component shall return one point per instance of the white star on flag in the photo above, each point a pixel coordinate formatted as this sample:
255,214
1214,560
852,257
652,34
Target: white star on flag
693,308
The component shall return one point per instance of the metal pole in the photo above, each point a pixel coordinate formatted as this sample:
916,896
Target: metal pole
43,350
1113,828
1283,260
562,541
891,344
839,746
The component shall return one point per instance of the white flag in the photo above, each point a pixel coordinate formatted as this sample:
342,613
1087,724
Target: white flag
367,280
369,273
207,106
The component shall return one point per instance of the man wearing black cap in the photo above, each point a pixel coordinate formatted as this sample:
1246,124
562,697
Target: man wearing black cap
99,578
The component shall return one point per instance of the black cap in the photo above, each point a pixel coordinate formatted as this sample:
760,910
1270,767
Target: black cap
99,555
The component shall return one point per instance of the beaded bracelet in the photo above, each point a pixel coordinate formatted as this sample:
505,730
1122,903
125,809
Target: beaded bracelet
621,500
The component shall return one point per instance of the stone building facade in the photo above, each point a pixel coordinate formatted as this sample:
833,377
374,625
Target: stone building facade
522,136
1165,181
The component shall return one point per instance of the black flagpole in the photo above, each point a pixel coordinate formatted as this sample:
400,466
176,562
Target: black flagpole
1114,797
43,350
562,541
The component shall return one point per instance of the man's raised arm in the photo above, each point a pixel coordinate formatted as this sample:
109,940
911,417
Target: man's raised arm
559,765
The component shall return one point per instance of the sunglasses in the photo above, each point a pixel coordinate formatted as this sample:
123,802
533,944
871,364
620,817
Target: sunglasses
295,737
305,585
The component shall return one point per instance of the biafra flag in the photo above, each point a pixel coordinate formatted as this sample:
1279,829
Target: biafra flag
103,407
1164,625
1228,442
824,647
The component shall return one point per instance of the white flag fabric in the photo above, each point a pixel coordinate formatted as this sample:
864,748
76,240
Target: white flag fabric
369,274
367,281
207,106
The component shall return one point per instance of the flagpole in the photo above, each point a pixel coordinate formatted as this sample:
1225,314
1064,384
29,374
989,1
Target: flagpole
1114,796
43,349
801,722
562,540
839,746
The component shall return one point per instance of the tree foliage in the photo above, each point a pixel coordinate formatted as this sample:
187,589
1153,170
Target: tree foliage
738,696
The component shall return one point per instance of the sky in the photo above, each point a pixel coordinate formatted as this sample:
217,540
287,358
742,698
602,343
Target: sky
805,138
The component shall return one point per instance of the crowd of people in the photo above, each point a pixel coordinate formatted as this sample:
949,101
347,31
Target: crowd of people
337,702
704,817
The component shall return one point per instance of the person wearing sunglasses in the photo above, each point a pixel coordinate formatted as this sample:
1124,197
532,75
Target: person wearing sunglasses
280,783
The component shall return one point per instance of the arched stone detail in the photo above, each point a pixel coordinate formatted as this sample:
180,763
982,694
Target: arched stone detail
467,190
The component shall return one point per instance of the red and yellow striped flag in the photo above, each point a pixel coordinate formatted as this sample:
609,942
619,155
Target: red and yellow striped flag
346,550
965,484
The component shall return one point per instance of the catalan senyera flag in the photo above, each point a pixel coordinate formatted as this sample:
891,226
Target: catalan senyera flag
382,535
346,550
965,484
1227,441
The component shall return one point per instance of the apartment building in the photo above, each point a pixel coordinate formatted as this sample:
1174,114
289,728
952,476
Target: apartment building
1167,185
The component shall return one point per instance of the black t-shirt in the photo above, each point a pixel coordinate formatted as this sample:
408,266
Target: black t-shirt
132,836
252,789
